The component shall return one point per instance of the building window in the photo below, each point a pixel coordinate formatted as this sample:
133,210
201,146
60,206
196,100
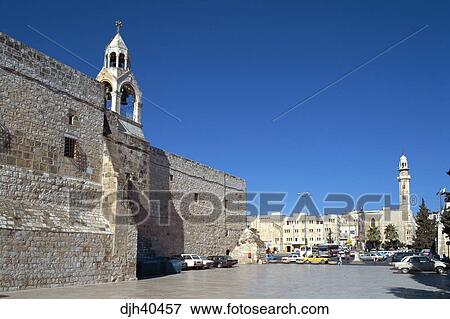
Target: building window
372,222
196,197
225,203
171,177
71,119
69,147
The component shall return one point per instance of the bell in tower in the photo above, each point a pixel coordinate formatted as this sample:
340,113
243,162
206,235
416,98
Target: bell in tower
122,94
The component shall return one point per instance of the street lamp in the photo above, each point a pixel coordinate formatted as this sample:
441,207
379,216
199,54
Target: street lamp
305,194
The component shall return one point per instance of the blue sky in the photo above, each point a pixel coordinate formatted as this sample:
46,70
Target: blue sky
227,68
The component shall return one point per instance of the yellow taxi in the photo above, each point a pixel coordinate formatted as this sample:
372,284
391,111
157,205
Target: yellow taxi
315,260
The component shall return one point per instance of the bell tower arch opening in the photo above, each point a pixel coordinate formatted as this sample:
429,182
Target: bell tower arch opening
122,94
127,100
107,94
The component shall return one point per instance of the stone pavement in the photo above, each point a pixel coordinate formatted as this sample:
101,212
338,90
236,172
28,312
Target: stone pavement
265,281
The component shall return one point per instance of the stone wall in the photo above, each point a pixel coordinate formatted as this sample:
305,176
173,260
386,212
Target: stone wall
176,233
155,179
37,95
88,219
52,230
32,259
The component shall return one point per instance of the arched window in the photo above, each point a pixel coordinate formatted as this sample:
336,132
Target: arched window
372,222
127,99
121,60
112,60
107,95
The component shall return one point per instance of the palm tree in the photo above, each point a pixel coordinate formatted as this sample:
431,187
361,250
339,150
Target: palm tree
391,235
373,237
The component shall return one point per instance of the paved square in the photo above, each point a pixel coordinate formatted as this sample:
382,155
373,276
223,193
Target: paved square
266,281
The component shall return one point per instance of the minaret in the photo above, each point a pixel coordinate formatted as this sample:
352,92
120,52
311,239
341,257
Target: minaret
122,93
403,183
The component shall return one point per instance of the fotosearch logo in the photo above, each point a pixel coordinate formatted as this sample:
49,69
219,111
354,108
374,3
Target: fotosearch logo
133,206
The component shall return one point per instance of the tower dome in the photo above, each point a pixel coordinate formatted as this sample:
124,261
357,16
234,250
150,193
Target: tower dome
122,93
403,163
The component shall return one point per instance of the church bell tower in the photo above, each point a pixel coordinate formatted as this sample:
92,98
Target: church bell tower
122,93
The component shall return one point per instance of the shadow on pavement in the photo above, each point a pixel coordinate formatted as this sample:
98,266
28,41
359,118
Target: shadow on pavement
418,293
441,282
433,280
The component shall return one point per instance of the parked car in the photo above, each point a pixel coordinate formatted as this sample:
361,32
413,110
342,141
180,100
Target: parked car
222,261
372,256
315,260
420,263
233,261
207,263
157,266
292,258
193,261
398,256
273,258
304,251
184,265
333,260
426,252
386,253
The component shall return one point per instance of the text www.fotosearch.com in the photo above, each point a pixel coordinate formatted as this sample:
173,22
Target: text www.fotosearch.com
132,309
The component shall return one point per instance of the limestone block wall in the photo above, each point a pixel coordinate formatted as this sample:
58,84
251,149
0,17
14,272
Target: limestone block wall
52,228
173,233
87,219
152,177
37,96
33,259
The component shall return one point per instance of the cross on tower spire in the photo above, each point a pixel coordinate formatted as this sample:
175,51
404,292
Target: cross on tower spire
118,25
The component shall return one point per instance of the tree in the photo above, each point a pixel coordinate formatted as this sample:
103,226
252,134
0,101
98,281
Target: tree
329,237
445,220
426,228
391,236
373,237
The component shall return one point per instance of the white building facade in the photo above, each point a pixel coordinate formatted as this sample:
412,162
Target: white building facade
288,233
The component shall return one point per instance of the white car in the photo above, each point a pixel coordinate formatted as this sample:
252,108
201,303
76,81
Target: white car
372,256
207,263
291,258
193,261
420,263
